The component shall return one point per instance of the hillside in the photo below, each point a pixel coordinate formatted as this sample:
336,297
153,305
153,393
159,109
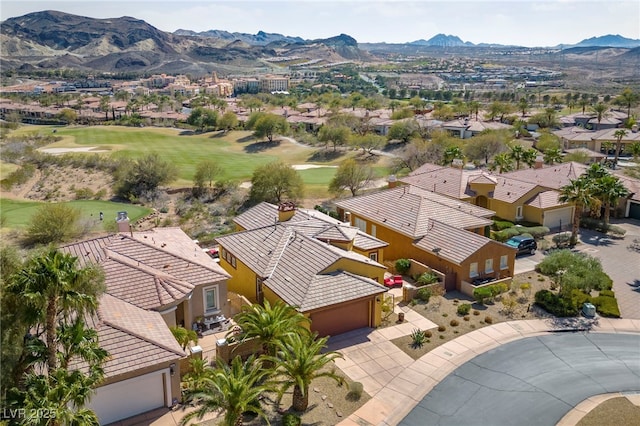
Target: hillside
54,40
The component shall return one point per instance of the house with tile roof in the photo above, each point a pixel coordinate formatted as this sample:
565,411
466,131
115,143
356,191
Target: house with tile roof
595,140
446,234
328,270
154,279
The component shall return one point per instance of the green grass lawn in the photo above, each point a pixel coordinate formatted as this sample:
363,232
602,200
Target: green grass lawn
16,214
6,169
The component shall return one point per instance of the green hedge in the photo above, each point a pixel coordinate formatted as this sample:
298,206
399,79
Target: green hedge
606,306
402,265
500,225
555,305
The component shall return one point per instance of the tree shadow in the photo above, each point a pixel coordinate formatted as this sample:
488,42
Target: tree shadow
246,138
325,156
187,133
218,134
261,146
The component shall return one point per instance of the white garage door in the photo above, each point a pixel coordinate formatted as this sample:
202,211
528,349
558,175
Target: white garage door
129,397
553,219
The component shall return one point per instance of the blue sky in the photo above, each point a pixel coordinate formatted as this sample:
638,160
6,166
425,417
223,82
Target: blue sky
519,22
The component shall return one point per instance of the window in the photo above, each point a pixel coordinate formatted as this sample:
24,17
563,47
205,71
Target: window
519,212
361,224
211,299
503,262
473,270
488,266
373,230
373,256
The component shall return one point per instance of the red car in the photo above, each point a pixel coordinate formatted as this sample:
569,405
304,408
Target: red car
393,281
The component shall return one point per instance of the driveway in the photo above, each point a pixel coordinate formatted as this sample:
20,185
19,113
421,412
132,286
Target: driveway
621,263
533,381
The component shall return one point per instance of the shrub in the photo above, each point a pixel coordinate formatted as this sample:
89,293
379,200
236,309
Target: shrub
423,294
617,231
536,232
355,391
607,306
467,318
402,265
555,304
578,298
476,313
290,419
562,240
428,334
500,225
427,278
593,223
464,309
417,338
454,323
482,293
84,194
511,232
53,223
488,319
441,328
500,236
608,293
526,286
445,314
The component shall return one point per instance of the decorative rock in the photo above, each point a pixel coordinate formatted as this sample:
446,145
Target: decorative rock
316,390
324,397
330,405
338,413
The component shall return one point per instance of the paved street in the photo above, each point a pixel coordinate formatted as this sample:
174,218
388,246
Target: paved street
533,381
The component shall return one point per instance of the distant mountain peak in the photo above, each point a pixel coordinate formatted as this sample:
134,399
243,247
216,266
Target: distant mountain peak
609,40
442,40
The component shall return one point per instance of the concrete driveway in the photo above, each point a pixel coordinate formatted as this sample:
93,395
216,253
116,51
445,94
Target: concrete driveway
533,381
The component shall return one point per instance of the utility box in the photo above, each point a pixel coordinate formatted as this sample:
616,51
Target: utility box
588,310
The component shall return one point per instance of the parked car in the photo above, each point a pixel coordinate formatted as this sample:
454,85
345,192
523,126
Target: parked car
523,244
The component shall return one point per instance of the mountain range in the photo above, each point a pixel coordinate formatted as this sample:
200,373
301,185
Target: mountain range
53,40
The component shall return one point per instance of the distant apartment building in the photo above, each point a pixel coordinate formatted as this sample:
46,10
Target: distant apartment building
273,83
158,81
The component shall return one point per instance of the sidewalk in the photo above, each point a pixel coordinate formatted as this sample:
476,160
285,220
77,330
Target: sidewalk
389,405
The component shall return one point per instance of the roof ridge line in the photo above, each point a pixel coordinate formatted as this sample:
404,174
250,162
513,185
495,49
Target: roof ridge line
126,330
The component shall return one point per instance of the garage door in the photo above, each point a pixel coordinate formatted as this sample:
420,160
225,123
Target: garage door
343,318
553,219
634,210
128,398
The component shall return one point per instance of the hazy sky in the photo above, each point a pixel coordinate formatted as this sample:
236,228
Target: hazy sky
518,22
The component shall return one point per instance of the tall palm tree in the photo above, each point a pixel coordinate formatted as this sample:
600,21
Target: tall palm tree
270,324
609,189
503,162
53,290
300,360
628,98
618,134
517,153
529,156
600,109
584,103
523,106
233,390
596,171
579,192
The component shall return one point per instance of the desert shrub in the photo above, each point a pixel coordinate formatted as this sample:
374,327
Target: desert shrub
428,334
423,294
511,232
509,304
441,328
526,286
608,293
578,298
482,293
402,265
355,391
536,232
84,194
555,304
616,231
594,224
500,224
53,223
445,314
18,176
454,323
291,419
427,278
417,338
488,319
466,317
500,236
562,240
476,313
464,309
607,306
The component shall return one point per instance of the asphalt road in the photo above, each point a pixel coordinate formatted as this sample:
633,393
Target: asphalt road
532,381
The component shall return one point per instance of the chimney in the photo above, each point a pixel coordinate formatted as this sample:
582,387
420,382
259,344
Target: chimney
347,217
286,210
122,220
634,128
392,182
539,162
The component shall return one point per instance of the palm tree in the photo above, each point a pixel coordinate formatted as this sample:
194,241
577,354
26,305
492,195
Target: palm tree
618,134
596,171
300,360
184,336
452,153
600,109
270,324
579,192
53,290
552,155
233,390
523,105
584,103
529,157
517,154
609,189
628,98
503,162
